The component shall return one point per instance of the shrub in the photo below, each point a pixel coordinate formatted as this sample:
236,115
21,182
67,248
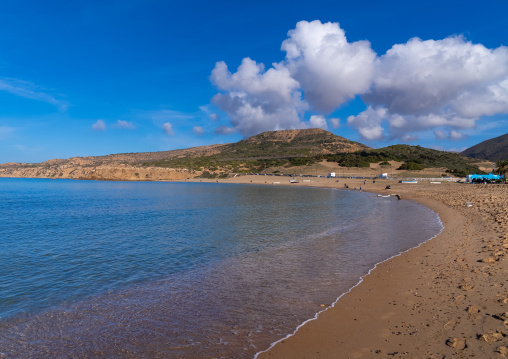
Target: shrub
411,166
207,174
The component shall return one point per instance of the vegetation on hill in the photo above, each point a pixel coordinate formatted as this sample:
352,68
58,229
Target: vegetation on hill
502,167
265,150
495,149
414,158
250,156
269,152
290,143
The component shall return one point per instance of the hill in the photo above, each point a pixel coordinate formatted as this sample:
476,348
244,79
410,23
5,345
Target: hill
414,158
495,149
277,145
273,148
291,143
288,151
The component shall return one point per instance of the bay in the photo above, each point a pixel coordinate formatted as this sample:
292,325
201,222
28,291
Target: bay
158,269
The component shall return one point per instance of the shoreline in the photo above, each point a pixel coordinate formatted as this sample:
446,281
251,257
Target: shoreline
446,297
360,281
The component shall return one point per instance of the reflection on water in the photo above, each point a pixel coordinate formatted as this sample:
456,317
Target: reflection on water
112,269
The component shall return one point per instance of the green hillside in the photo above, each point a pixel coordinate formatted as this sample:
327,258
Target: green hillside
267,149
304,147
414,158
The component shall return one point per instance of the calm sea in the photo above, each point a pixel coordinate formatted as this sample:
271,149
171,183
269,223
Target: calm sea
182,270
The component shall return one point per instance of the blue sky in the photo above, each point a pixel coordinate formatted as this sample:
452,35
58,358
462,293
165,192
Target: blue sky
82,78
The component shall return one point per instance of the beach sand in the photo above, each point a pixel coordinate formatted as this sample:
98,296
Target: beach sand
446,298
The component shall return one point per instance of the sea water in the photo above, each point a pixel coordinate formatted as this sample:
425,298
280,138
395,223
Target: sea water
182,270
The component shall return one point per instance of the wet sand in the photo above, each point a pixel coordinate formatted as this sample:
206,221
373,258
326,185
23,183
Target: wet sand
446,298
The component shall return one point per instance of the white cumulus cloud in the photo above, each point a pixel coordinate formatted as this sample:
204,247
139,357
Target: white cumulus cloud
329,69
368,123
440,135
125,125
257,100
224,130
318,121
100,125
168,128
456,135
198,130
435,83
335,122
442,85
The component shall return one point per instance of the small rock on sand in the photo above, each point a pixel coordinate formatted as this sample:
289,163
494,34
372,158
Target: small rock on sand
492,338
473,309
466,287
489,260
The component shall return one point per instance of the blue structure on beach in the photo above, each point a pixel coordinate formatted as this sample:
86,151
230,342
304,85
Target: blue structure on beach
479,178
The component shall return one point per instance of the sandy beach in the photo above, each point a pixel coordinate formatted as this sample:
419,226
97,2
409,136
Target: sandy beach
446,298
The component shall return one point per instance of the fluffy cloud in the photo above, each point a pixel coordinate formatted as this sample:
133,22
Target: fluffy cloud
257,100
368,123
329,68
100,125
318,121
224,130
429,84
442,85
125,125
456,135
319,61
198,130
168,129
335,122
440,135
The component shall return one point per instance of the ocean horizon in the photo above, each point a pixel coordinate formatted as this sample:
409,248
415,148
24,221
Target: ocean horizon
168,269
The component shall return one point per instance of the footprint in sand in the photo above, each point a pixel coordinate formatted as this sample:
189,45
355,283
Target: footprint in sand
489,260
456,343
503,351
473,309
466,287
502,316
492,337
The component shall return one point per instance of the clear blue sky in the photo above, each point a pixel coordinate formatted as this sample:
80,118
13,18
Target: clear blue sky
90,77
